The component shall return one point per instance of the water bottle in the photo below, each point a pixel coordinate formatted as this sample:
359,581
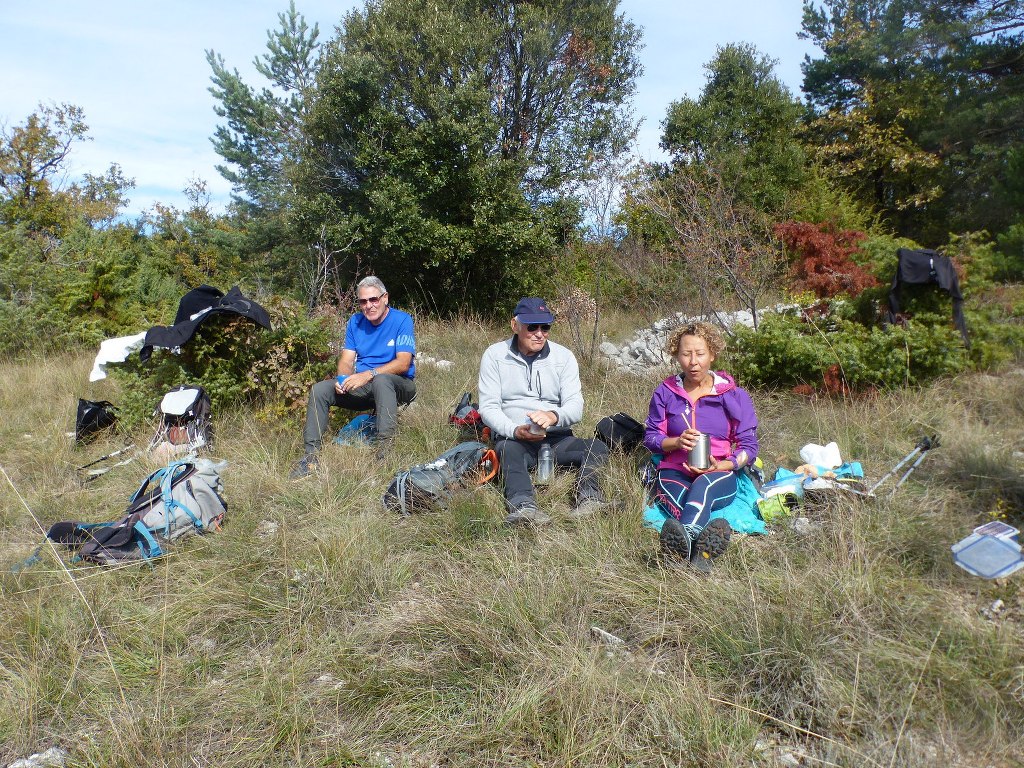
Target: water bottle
545,464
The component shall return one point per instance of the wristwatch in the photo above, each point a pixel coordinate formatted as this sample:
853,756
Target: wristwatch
373,374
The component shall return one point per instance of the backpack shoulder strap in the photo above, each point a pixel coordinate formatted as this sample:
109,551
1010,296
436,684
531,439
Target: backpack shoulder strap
175,473
401,481
147,544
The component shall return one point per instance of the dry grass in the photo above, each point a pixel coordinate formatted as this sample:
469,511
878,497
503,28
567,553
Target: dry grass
317,630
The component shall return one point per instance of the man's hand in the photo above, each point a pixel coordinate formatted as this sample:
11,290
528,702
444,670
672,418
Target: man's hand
543,419
354,381
523,433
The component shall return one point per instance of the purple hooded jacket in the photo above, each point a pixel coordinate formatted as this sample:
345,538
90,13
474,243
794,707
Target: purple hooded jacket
727,415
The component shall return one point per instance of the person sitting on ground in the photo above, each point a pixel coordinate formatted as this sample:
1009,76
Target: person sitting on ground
530,395
375,370
698,400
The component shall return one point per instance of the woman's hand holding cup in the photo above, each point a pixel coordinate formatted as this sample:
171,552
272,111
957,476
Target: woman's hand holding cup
688,439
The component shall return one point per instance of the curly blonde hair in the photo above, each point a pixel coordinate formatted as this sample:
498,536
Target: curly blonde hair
711,335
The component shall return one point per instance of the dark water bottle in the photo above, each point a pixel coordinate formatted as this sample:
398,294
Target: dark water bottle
545,464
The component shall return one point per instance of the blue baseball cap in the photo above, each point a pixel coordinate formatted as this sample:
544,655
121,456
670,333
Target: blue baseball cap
530,310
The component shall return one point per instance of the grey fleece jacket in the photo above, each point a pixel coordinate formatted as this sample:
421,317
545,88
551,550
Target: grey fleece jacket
510,386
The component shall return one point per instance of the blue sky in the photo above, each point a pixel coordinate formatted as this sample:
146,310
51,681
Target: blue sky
139,71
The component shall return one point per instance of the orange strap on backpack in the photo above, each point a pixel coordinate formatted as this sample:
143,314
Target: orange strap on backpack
488,466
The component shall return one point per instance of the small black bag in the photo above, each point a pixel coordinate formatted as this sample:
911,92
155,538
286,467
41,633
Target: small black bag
93,416
620,430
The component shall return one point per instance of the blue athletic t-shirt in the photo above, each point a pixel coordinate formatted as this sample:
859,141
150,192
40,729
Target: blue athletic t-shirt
376,345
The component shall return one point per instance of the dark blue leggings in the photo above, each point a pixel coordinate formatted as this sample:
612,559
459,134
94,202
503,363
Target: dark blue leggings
691,501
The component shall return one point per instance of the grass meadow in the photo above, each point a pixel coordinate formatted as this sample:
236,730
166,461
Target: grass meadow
318,630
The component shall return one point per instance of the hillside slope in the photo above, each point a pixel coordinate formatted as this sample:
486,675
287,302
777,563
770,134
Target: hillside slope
318,630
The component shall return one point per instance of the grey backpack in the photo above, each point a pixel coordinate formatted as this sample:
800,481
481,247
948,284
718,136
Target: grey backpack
429,485
177,500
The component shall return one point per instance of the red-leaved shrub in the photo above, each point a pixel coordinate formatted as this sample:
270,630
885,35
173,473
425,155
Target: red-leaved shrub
822,258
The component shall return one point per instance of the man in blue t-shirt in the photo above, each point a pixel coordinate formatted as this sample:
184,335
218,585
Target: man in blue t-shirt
375,370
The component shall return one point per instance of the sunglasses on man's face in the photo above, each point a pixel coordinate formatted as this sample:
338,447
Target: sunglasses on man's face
369,300
534,327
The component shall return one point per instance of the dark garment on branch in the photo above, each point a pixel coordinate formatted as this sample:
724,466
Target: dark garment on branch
194,308
923,267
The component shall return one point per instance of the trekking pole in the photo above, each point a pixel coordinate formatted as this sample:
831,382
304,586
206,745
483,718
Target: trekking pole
92,474
932,442
923,445
104,458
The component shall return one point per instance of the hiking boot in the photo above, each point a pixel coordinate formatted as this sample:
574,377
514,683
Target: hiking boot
710,543
304,467
590,507
675,540
527,514
383,447
700,564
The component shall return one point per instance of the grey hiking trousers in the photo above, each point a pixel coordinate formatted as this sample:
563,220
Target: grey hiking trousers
516,458
383,394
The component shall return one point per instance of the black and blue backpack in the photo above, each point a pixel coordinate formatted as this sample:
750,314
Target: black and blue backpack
177,500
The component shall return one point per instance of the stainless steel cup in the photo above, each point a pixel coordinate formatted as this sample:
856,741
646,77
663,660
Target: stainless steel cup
700,454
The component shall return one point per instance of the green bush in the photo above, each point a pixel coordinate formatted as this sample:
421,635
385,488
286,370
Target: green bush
88,286
788,350
1009,262
235,361
995,338
877,254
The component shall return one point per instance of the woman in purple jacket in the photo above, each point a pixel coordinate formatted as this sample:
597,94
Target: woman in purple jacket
698,400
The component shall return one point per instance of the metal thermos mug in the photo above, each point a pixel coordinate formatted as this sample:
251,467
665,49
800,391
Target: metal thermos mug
700,454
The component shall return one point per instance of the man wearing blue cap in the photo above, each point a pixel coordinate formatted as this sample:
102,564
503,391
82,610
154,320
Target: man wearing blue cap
530,396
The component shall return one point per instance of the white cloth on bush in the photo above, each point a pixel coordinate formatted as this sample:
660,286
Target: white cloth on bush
114,351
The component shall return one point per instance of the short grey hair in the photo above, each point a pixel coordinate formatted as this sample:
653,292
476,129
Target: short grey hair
371,281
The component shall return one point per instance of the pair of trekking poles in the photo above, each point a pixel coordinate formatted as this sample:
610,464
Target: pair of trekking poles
920,450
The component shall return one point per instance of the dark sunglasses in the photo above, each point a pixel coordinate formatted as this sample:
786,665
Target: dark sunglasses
534,327
368,300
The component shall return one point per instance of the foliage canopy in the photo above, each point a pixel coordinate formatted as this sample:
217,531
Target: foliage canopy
919,107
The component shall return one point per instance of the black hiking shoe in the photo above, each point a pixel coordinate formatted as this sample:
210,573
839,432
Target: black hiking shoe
304,467
383,448
675,541
710,543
